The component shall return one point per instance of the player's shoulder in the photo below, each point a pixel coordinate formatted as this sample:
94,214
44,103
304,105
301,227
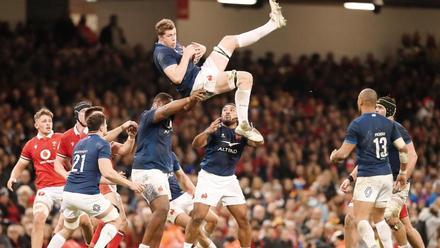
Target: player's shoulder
32,141
57,136
159,48
69,132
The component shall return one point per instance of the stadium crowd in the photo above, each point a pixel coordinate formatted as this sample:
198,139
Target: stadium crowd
301,105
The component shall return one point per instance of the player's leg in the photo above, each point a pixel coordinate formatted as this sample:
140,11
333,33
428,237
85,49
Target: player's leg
112,221
41,209
244,228
70,223
391,215
385,183
413,235
86,227
193,227
153,234
242,80
183,219
223,51
351,236
211,222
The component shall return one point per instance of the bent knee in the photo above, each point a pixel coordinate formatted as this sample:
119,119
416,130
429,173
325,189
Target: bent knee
39,218
245,79
229,42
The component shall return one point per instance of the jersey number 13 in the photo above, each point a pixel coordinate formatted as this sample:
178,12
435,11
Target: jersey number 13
381,147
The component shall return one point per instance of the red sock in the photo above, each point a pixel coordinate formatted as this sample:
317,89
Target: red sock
97,233
116,240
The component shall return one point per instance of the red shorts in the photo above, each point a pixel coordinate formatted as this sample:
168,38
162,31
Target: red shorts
104,189
403,212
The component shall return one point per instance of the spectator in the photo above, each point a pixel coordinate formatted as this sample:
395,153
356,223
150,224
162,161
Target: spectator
86,35
112,34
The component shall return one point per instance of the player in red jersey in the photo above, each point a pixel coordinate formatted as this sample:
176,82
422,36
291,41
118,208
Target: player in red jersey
41,151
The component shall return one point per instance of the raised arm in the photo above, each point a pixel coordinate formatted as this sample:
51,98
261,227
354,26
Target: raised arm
201,139
176,106
113,134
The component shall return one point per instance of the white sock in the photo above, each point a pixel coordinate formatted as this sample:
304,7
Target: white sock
384,232
57,241
187,245
143,246
366,232
242,98
250,37
108,232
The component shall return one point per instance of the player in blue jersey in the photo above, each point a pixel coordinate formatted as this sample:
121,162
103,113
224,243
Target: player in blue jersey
178,63
182,203
217,181
91,158
372,135
152,160
396,213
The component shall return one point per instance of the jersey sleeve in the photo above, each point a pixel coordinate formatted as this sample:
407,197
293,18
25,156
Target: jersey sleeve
175,161
26,152
395,134
166,58
405,135
105,150
62,150
352,134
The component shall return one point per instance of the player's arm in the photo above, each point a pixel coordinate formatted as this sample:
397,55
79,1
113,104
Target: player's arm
349,180
200,51
106,169
176,72
58,165
201,140
185,182
127,147
412,158
19,167
176,106
113,134
342,153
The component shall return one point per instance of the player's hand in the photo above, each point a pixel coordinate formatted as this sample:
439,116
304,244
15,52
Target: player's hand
332,156
137,187
127,124
122,174
132,130
214,126
189,51
345,186
197,96
200,51
10,183
400,183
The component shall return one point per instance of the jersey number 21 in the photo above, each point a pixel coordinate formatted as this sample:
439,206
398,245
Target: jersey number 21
76,159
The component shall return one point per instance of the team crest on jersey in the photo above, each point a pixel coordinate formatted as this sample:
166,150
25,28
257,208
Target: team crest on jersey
45,154
368,192
35,146
204,195
96,207
223,136
41,193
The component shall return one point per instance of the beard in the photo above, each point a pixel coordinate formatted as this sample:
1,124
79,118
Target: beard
229,121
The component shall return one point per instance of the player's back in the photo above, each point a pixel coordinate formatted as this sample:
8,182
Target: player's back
394,153
85,175
373,135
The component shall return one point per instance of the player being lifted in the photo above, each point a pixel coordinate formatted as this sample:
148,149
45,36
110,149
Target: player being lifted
217,181
178,64
372,135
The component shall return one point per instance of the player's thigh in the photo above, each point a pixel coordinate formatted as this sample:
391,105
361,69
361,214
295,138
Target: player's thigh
362,210
156,184
182,220
232,193
208,189
200,211
239,212
174,212
46,198
377,214
112,197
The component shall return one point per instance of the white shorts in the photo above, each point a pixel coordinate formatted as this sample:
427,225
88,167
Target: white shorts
211,189
156,183
49,197
207,77
182,204
375,189
397,201
76,203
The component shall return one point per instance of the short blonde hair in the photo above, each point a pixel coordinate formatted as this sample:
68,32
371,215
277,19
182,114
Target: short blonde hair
41,112
164,25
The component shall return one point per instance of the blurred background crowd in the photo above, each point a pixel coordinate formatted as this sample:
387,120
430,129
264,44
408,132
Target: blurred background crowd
301,103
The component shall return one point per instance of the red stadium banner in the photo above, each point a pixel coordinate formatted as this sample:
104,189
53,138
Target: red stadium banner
182,9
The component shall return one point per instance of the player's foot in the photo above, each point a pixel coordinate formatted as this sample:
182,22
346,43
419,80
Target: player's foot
276,15
246,130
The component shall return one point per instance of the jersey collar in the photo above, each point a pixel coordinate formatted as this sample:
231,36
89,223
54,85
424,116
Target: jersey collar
40,136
